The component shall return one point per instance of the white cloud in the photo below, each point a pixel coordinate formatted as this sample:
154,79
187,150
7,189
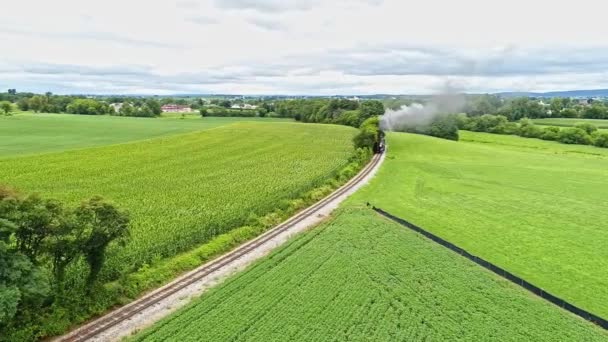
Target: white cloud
301,46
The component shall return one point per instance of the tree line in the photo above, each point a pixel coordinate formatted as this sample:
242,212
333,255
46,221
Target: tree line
581,133
40,239
535,108
49,103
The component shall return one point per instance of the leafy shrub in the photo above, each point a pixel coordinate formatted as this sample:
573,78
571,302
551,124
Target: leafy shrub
600,139
574,135
587,127
444,127
550,133
527,129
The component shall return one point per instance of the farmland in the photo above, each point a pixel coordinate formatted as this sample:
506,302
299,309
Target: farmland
532,207
602,124
183,190
361,277
40,133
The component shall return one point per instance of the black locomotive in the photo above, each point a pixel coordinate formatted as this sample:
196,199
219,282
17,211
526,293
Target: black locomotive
379,145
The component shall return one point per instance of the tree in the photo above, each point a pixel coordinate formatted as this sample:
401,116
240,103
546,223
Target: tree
21,282
203,112
153,107
12,91
595,111
369,109
126,109
6,107
37,103
104,224
368,134
23,104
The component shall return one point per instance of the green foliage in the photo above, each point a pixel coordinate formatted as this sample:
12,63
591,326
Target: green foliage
574,135
527,129
6,107
22,284
103,223
550,133
586,126
370,108
88,107
523,107
359,277
339,111
538,196
368,134
444,127
600,139
39,236
595,111
568,113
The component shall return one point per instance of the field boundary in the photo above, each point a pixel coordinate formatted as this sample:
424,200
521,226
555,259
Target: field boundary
501,272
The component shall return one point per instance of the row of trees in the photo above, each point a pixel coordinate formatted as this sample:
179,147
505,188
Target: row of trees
524,107
147,108
40,239
336,111
581,133
49,103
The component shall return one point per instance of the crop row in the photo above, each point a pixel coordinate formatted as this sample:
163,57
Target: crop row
360,277
183,190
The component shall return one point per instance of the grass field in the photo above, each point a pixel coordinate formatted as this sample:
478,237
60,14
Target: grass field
360,277
184,189
571,122
535,208
40,133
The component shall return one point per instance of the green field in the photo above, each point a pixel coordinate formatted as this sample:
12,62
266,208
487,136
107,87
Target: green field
182,190
571,122
360,277
535,208
40,133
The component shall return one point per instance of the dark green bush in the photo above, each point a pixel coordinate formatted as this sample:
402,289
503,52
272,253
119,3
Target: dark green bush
587,127
550,133
527,129
600,139
574,135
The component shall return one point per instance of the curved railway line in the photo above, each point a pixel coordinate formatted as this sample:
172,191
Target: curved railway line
95,328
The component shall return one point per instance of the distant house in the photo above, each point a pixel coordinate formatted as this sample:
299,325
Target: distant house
243,106
116,106
174,108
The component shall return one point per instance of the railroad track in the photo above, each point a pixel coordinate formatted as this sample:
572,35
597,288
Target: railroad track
100,325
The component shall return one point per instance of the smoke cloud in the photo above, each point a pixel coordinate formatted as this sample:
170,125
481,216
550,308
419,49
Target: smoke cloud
419,115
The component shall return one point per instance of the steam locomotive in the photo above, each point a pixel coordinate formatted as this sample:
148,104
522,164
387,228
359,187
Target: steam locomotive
379,144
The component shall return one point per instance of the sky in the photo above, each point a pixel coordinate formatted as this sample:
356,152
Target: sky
306,47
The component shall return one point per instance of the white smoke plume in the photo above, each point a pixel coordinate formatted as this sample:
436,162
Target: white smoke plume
420,115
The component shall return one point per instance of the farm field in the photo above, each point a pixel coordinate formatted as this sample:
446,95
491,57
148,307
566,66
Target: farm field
29,133
182,190
533,207
360,277
564,122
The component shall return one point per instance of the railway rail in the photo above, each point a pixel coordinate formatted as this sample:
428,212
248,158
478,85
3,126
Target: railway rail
96,327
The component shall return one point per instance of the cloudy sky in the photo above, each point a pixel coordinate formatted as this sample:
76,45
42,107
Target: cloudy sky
302,46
